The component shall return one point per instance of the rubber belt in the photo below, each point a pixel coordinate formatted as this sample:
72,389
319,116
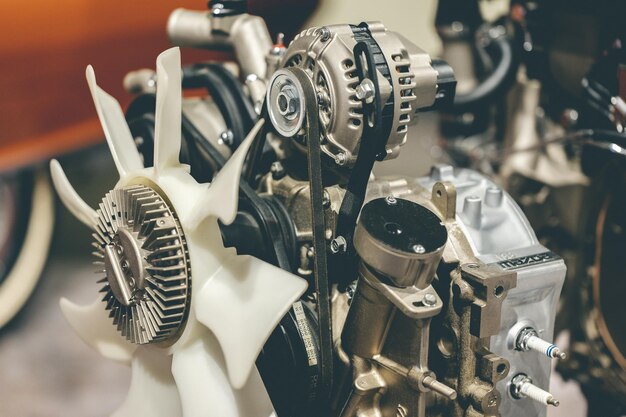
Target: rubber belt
322,288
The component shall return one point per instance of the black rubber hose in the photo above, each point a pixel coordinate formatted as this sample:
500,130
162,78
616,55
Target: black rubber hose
501,78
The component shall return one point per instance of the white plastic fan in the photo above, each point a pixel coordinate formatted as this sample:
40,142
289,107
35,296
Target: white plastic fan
233,302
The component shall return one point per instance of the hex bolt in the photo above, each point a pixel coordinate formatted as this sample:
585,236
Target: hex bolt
324,34
366,90
326,200
528,339
341,158
522,387
277,170
288,102
418,249
429,300
391,200
227,137
338,245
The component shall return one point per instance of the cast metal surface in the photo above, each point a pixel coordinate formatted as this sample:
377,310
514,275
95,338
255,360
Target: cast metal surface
141,246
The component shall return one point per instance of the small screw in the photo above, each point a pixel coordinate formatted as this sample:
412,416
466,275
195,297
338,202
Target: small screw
429,300
391,200
324,34
418,249
277,170
338,245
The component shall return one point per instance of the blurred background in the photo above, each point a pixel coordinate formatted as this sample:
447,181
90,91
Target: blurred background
46,111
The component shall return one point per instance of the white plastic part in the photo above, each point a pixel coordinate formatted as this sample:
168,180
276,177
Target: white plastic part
221,202
70,197
153,391
116,131
167,130
236,302
93,325
267,293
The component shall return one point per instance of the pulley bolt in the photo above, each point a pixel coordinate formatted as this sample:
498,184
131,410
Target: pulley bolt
522,386
288,102
429,300
528,339
338,245
391,200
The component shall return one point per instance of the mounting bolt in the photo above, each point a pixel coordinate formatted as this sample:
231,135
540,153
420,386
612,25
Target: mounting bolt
391,200
326,200
227,138
324,34
429,300
338,245
418,249
366,90
341,158
278,170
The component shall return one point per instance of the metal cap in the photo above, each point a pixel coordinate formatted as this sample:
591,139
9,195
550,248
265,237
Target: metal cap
401,240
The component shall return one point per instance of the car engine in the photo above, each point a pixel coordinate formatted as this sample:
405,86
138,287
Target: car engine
252,265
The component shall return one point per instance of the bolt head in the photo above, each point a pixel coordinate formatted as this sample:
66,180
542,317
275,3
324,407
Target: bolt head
324,34
277,170
419,249
429,300
326,200
365,91
338,245
227,137
391,200
341,158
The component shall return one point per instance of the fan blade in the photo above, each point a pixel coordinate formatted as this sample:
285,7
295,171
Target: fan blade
152,391
241,304
120,140
222,198
93,325
167,132
200,375
70,198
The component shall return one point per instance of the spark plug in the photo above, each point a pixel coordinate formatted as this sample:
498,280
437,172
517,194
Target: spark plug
528,339
522,387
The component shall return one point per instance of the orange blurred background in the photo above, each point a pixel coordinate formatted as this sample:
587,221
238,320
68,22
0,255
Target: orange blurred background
45,106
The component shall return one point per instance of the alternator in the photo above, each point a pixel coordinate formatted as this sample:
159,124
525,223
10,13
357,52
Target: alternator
407,81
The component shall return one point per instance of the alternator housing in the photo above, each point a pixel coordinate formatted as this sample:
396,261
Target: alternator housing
405,70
